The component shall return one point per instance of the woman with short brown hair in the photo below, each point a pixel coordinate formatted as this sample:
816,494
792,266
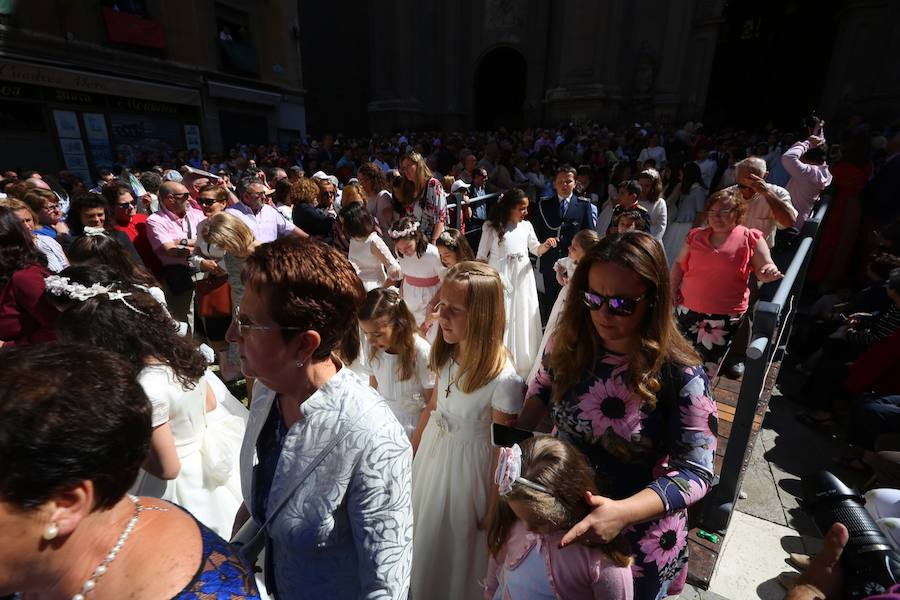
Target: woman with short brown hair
346,531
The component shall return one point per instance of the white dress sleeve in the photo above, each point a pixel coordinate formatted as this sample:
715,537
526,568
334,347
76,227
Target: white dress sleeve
423,372
531,239
509,392
384,256
488,234
156,385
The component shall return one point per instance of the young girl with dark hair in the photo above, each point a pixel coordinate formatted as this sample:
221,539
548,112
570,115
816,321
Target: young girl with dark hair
197,425
453,247
506,241
542,484
397,357
421,265
368,253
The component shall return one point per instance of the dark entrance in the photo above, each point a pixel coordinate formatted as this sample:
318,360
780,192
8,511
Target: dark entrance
500,90
771,62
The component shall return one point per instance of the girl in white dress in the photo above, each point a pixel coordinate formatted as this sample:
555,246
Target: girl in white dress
454,462
506,240
582,242
397,357
420,262
453,247
370,256
691,202
198,426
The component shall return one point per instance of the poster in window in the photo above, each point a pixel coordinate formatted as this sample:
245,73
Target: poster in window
67,124
98,138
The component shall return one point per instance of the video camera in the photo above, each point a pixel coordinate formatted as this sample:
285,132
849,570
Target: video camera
870,565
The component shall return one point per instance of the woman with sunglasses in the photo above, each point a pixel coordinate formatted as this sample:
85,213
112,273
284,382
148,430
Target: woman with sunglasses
621,384
711,273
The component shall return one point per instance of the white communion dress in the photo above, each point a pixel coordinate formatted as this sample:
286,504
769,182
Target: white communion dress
565,266
208,446
407,397
452,479
523,317
422,277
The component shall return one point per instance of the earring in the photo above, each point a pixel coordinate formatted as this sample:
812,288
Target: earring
51,532
299,363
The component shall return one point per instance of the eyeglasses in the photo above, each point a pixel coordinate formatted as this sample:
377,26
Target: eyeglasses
246,328
720,213
126,205
256,194
617,305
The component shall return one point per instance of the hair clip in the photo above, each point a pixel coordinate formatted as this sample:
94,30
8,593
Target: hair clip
509,472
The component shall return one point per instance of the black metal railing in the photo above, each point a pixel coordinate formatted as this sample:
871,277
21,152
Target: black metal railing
771,330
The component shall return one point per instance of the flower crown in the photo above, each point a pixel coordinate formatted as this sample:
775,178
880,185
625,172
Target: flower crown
57,285
446,239
410,230
509,472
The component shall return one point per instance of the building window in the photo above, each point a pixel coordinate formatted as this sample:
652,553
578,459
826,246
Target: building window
236,49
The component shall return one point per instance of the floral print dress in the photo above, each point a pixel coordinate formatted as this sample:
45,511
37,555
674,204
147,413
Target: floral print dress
669,449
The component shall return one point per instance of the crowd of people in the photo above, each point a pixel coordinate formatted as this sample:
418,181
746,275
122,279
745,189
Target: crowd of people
394,304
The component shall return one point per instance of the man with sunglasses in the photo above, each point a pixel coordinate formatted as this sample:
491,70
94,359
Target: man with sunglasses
172,231
266,223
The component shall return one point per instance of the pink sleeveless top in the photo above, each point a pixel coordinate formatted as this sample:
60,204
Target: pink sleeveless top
715,279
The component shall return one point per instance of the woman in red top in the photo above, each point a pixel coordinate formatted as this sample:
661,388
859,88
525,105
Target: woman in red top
26,317
710,276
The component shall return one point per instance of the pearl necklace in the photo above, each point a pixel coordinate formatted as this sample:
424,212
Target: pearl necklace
103,567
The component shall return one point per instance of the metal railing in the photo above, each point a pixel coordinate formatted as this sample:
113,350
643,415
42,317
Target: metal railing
487,200
771,329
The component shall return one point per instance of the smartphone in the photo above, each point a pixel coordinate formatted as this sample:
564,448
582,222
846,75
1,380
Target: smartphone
504,436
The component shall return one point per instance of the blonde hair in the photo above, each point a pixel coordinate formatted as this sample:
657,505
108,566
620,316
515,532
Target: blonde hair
352,193
229,232
563,469
16,205
485,355
410,191
577,346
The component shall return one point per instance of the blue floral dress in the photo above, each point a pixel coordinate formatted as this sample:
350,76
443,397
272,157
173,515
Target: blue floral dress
669,449
222,575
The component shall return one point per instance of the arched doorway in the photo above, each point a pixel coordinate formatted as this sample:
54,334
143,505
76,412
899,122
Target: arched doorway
500,90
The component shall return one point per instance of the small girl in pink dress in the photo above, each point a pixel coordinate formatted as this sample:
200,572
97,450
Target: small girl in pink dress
542,485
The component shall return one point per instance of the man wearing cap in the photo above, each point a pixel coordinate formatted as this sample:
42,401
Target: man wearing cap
266,223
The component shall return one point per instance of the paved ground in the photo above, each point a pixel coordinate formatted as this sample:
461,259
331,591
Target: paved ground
769,523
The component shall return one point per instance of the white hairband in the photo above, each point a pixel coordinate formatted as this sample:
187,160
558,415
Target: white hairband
410,229
57,285
94,231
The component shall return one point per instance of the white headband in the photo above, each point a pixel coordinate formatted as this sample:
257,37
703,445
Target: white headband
57,285
410,229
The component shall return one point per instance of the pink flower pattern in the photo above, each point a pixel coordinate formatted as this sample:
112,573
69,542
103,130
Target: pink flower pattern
664,541
711,333
610,404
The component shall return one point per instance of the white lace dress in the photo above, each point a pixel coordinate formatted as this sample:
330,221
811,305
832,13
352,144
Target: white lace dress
373,261
208,446
406,398
523,317
452,479
422,277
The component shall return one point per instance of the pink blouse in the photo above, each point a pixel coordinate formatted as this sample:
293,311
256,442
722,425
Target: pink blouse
715,279
575,572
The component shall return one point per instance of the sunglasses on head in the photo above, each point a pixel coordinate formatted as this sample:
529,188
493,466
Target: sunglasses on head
617,305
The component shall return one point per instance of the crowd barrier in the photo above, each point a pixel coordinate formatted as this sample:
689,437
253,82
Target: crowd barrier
770,334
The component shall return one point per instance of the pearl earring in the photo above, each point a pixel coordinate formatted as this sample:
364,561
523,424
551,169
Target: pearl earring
51,532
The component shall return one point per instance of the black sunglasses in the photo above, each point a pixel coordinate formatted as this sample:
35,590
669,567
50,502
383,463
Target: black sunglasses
206,201
618,306
127,204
